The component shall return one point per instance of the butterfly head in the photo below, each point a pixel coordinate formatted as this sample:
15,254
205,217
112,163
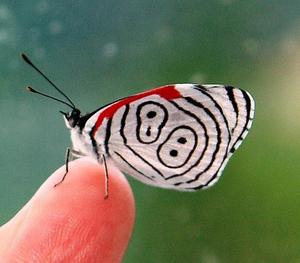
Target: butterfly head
75,122
72,118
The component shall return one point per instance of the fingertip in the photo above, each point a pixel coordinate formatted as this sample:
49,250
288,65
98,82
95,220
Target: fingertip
86,178
76,214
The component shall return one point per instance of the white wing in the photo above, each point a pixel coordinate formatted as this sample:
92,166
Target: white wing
182,143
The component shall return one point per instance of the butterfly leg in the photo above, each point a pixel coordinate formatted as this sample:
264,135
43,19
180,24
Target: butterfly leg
106,178
67,159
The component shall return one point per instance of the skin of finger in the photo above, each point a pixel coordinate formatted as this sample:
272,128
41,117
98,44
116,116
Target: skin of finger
73,222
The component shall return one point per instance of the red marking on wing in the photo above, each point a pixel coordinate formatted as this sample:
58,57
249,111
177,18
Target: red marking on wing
167,92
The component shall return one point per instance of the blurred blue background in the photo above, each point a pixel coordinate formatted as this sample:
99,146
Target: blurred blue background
99,51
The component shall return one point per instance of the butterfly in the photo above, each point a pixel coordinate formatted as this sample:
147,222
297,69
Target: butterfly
177,136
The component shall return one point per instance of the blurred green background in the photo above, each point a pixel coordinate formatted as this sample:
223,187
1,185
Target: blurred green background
99,51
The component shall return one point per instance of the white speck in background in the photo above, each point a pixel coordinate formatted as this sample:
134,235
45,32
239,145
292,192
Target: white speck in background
7,26
198,77
163,34
4,36
55,27
4,12
289,46
13,64
251,46
208,256
39,52
34,34
182,215
42,7
227,2
110,49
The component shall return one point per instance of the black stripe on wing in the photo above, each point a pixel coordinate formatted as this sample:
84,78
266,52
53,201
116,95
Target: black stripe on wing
204,91
231,98
107,136
216,104
206,139
123,123
249,107
219,138
131,166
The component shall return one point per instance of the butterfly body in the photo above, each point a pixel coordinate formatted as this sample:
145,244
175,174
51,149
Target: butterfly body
177,136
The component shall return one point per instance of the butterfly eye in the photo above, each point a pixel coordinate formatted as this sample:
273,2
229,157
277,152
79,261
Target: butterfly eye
72,117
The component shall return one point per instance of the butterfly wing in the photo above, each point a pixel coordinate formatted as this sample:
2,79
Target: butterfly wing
182,142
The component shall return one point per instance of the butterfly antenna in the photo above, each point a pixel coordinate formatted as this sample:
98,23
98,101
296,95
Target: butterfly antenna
29,62
30,89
